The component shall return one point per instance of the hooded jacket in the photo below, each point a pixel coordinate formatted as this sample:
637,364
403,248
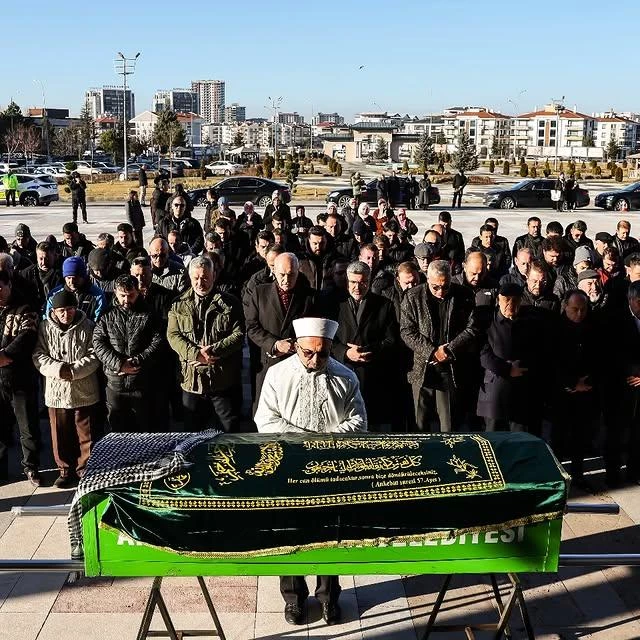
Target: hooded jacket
73,345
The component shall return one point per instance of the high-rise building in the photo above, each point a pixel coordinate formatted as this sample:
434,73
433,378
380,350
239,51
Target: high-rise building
109,101
210,99
235,113
330,118
178,100
290,118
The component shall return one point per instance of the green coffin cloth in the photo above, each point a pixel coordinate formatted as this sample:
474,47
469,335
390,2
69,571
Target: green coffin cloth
263,493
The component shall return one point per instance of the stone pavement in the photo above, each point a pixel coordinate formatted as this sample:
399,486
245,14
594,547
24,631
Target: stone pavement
576,603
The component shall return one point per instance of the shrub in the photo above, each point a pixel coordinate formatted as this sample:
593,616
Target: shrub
624,164
339,170
70,166
578,176
405,167
583,165
619,174
506,168
259,170
533,172
561,167
593,164
524,170
597,171
492,166
325,160
610,165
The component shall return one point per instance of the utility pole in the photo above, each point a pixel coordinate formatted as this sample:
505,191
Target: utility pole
45,123
559,107
275,105
125,67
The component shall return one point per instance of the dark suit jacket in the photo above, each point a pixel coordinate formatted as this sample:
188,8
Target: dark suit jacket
376,328
267,322
417,330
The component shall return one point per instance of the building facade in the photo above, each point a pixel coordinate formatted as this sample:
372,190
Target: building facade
211,99
109,101
330,118
178,100
144,124
290,118
235,113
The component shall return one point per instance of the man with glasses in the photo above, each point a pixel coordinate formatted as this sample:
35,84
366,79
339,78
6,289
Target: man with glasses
271,309
167,273
438,323
366,342
180,220
311,393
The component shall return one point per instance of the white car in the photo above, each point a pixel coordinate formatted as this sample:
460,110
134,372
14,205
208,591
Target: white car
34,190
224,168
84,168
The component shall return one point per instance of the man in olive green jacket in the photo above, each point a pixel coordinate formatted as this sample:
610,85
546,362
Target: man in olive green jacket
206,330
10,184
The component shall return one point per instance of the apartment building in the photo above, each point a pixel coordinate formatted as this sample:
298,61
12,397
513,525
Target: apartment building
144,123
109,101
625,131
330,118
211,97
235,113
179,100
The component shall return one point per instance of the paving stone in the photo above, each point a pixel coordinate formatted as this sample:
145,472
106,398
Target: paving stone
272,626
34,593
90,626
349,627
380,592
21,626
380,623
23,537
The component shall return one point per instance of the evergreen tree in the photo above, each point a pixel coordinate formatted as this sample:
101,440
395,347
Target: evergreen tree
87,127
465,156
381,150
112,141
168,132
424,155
237,139
587,141
613,148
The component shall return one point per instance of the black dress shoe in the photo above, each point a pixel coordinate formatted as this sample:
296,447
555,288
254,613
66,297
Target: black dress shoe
294,614
331,613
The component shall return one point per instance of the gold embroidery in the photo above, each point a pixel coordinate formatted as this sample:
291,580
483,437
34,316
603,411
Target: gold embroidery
223,464
270,457
462,466
356,465
177,482
349,443
451,441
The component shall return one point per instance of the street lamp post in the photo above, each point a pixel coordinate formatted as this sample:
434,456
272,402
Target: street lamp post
45,123
515,120
559,108
125,67
275,105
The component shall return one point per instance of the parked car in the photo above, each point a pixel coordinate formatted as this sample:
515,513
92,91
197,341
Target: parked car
533,192
370,195
224,168
106,167
188,163
620,199
176,170
34,190
241,189
133,170
56,169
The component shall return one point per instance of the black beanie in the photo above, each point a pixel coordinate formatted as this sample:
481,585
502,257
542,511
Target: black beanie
64,298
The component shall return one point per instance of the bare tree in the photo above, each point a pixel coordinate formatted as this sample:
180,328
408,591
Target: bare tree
12,141
29,138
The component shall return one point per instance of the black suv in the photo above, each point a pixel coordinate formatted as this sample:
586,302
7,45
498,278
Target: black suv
534,192
620,199
370,194
240,189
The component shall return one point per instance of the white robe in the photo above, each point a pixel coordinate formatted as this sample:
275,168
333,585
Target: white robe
296,400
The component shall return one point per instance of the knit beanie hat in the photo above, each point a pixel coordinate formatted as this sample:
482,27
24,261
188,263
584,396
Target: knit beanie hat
64,298
74,266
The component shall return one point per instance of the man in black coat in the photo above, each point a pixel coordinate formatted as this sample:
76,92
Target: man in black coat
575,237
143,181
622,392
537,296
530,240
393,190
475,277
73,243
400,249
366,342
46,273
317,260
520,269
623,240
159,199
452,240
235,249
78,188
459,183
514,373
439,325
249,221
24,244
270,311
127,341
189,228
487,240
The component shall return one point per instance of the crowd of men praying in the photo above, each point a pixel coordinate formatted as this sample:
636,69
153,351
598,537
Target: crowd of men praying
444,333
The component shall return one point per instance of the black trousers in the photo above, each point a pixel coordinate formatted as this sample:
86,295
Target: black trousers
10,194
128,411
622,423
24,405
430,403
83,207
219,410
294,589
534,426
457,195
573,428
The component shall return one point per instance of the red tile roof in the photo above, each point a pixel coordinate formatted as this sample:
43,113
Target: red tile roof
482,115
567,113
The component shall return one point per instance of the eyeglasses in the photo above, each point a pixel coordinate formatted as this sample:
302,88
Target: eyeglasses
155,256
309,353
438,287
179,204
